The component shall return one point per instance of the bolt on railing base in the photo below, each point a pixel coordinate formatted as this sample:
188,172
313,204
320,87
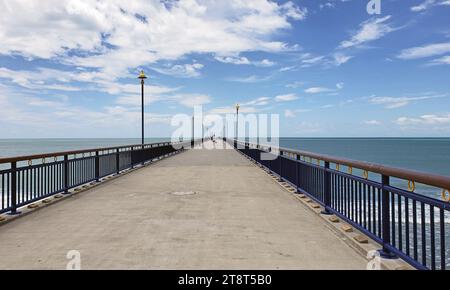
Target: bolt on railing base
387,255
326,212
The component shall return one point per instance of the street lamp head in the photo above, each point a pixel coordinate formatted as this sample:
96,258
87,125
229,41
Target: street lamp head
237,107
142,75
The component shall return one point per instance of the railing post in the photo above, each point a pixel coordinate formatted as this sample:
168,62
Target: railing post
281,164
97,167
297,172
14,189
327,189
66,174
117,161
386,219
132,157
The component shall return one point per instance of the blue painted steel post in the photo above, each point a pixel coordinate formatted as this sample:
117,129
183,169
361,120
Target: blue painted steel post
327,189
14,189
117,161
281,164
97,167
386,219
132,157
66,174
297,172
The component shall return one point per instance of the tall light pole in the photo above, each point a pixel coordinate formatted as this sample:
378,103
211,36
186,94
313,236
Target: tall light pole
142,77
193,138
237,122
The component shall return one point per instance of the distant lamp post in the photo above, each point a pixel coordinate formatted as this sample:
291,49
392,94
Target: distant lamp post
237,121
142,77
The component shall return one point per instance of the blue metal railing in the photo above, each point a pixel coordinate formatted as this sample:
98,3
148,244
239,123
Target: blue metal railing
411,226
27,179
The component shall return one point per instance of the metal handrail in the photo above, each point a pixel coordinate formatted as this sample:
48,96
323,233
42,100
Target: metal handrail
407,174
74,152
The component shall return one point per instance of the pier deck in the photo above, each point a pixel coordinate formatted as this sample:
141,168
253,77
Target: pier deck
239,218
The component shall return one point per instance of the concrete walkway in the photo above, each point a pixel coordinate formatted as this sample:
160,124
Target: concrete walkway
238,219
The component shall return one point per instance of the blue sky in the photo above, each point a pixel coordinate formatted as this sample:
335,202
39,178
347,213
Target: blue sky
328,68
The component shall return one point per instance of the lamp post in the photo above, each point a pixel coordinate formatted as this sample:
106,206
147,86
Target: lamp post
193,138
142,77
237,122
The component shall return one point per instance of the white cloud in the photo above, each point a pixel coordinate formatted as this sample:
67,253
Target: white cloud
240,60
75,32
185,71
250,79
340,58
286,98
191,100
24,115
370,30
51,79
233,59
295,85
442,60
262,101
289,113
425,51
318,90
398,102
423,6
42,79
265,62
372,122
287,68
310,61
428,4
431,119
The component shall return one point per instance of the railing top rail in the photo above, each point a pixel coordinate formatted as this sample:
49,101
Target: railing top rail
406,174
73,152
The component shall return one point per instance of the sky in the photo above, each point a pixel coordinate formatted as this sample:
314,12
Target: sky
68,69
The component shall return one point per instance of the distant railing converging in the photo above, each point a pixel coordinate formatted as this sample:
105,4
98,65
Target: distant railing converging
409,225
27,179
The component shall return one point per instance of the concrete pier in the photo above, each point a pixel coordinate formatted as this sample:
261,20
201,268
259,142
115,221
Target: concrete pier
237,218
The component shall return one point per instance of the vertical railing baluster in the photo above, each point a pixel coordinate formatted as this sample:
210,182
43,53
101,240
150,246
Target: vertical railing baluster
97,166
442,240
66,174
14,189
117,161
407,235
415,239
423,234
297,169
327,189
281,164
432,239
386,223
400,229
